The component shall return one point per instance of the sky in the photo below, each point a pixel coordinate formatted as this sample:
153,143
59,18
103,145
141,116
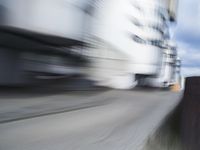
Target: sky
187,35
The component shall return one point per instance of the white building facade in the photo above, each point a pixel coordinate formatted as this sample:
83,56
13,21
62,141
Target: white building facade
127,39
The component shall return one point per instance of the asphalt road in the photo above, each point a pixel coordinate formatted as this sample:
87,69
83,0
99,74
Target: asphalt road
96,120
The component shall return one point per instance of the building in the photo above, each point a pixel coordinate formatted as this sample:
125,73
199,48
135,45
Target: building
170,70
127,39
40,39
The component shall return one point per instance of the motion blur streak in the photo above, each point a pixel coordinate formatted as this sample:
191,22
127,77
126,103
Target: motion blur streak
118,44
86,74
121,120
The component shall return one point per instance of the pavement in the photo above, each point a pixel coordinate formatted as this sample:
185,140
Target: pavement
95,120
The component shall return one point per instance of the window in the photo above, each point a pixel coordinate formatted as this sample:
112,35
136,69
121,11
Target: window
157,28
136,22
157,43
138,39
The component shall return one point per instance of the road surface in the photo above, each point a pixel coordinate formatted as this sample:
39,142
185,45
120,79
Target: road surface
103,120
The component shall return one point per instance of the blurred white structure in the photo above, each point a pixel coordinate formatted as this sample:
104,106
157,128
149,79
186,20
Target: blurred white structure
128,37
40,38
63,18
170,71
128,40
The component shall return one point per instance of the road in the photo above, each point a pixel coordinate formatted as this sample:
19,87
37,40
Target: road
96,120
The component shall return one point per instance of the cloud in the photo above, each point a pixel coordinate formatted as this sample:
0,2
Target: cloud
190,55
188,20
187,34
191,37
190,71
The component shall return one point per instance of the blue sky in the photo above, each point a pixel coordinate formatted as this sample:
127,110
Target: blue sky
187,34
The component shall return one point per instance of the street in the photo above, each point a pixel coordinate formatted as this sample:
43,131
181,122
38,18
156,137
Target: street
82,120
